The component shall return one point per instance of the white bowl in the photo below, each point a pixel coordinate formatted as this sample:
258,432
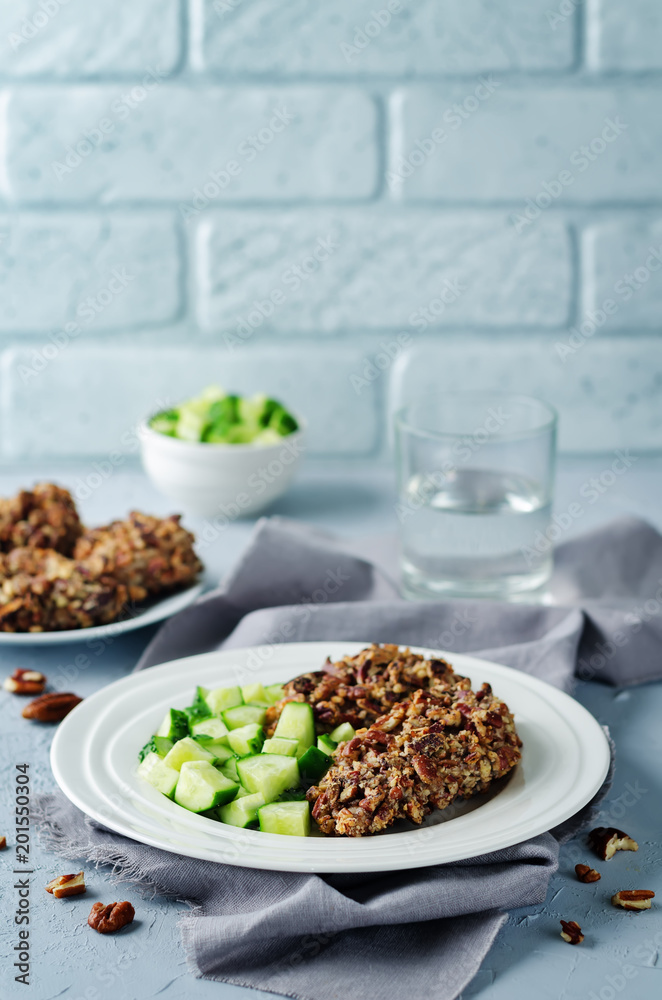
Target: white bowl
223,480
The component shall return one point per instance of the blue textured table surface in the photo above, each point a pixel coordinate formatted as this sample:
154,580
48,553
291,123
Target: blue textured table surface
619,957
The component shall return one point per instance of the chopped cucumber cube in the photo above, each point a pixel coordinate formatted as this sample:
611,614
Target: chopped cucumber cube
289,818
175,725
274,693
326,744
201,786
297,723
186,750
246,739
235,718
254,694
269,774
313,764
214,727
158,744
219,751
267,436
165,422
221,698
199,709
343,732
242,811
154,770
229,769
251,408
279,745
223,415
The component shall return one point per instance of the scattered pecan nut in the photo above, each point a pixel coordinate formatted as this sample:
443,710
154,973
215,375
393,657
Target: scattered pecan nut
25,682
110,918
67,885
586,874
51,707
606,840
3,843
633,899
572,932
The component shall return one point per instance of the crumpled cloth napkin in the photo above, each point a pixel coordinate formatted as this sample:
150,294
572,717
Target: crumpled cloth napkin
424,932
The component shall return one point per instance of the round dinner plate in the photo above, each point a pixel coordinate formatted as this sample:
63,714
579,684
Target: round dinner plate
155,611
565,758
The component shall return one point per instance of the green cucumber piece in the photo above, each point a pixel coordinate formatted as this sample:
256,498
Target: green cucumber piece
326,744
242,715
279,745
274,693
314,764
297,723
154,770
187,750
199,709
254,694
221,698
229,769
214,727
343,732
246,739
241,811
268,773
165,422
201,786
158,745
219,751
289,818
175,725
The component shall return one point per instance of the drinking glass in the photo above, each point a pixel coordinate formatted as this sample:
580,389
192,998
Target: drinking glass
475,489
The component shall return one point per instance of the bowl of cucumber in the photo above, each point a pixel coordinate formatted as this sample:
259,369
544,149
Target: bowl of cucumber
223,455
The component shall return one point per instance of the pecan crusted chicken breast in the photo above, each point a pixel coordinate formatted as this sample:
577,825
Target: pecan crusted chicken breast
358,689
44,591
423,739
422,755
147,554
44,518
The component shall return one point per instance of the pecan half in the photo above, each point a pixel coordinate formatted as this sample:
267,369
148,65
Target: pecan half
51,707
25,682
3,843
67,885
586,874
572,932
110,918
606,840
633,899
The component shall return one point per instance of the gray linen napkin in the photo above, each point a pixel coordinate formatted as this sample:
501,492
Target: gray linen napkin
424,931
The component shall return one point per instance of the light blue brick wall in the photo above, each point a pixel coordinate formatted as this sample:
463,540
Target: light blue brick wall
339,201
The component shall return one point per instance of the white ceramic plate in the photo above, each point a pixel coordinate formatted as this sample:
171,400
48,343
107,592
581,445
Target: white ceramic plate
154,611
94,755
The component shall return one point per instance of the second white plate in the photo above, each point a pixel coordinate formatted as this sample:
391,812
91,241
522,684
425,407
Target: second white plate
565,759
149,614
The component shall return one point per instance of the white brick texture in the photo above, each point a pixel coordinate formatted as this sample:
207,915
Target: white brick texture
99,272
88,38
157,141
326,272
284,38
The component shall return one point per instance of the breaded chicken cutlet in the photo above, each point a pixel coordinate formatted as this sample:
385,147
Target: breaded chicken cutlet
44,591
358,689
147,554
44,518
425,738
55,575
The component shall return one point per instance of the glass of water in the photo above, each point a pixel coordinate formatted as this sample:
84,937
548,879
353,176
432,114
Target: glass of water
475,489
